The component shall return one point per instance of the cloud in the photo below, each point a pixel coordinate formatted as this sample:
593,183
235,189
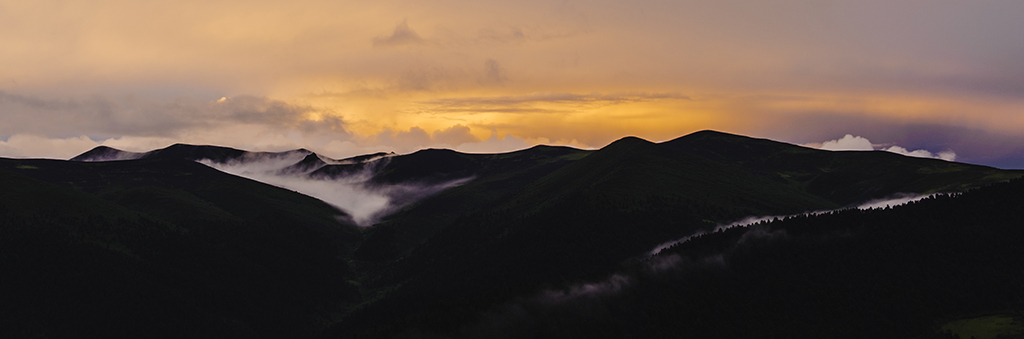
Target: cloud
611,285
402,141
454,136
424,78
402,35
955,63
494,74
513,34
972,144
415,138
144,116
363,201
348,193
339,149
848,143
944,155
544,102
893,201
242,121
507,143
33,146
858,143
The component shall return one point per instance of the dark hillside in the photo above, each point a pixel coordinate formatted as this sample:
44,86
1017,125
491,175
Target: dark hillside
308,164
634,169
429,166
842,178
194,152
497,177
612,206
161,247
467,237
182,152
367,157
148,183
575,222
104,153
895,273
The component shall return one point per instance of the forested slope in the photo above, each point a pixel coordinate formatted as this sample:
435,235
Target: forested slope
886,273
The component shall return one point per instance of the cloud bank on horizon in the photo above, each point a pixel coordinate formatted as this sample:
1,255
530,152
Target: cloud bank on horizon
396,75
858,143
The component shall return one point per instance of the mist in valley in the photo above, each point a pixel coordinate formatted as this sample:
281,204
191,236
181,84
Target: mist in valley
353,192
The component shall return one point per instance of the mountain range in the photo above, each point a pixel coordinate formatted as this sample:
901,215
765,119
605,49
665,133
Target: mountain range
543,242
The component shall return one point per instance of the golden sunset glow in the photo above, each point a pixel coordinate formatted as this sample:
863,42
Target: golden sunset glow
349,77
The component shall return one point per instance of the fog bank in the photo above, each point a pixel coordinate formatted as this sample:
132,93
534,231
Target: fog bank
366,202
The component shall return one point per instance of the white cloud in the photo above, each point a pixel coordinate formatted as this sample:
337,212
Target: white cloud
348,193
338,149
944,155
353,193
33,146
848,143
893,201
858,143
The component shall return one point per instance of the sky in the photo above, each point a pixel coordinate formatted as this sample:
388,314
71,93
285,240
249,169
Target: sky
344,78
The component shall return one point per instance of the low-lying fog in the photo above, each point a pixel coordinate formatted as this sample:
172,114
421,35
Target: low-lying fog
527,311
353,193
891,201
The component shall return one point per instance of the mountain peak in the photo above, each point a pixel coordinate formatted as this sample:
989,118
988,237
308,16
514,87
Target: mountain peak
312,158
365,158
197,152
106,153
628,142
707,142
711,134
309,163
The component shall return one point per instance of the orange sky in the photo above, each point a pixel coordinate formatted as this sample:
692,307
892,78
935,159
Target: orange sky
345,78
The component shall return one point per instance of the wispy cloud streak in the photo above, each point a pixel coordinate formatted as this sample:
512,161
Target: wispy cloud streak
543,102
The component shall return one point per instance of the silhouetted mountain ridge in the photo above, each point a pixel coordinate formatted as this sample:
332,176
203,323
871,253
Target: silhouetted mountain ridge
615,204
464,233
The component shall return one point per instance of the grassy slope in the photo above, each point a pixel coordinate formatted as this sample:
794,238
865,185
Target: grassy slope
986,327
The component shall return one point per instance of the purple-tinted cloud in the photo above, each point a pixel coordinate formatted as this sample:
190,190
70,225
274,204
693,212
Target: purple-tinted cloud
972,145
